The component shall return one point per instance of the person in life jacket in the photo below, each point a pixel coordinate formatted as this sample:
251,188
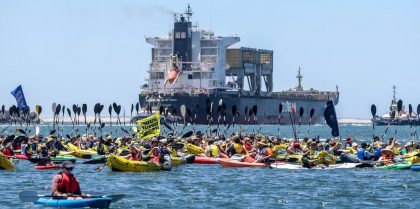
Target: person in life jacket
7,150
348,143
65,184
236,147
307,161
135,154
264,152
101,148
155,156
212,150
363,154
163,148
294,148
247,144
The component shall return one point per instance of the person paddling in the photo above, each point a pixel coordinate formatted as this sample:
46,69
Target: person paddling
65,185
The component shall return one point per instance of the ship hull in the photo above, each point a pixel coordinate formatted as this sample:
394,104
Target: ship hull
267,109
383,122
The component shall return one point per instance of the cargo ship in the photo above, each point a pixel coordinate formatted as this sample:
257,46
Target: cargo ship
197,69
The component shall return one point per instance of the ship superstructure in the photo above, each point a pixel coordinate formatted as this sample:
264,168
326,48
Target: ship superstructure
197,68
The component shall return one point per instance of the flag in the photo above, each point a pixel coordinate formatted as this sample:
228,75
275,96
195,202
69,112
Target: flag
20,98
331,118
149,127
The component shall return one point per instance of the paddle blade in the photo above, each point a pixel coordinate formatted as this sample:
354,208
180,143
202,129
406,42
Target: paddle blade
137,107
84,109
188,134
101,107
220,102
246,110
110,109
21,131
280,108
63,109
74,109
234,110
399,105
301,110
54,105
311,114
28,196
373,110
38,109
331,118
58,109
255,109
69,112
410,110
132,108
115,197
418,109
3,109
188,112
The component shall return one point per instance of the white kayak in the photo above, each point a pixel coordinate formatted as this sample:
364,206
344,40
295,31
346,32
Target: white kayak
283,165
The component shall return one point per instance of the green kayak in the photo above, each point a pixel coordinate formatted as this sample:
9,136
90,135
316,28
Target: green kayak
397,166
60,159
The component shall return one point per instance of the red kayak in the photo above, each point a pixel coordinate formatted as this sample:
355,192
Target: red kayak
236,164
47,166
206,160
22,157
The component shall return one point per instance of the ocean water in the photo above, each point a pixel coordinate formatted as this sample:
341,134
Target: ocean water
210,186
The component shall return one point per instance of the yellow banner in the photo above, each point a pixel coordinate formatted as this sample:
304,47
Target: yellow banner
149,127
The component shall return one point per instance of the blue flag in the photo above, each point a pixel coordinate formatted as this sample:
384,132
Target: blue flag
20,98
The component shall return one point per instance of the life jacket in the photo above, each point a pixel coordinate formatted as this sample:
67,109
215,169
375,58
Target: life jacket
134,157
68,184
7,152
238,148
387,158
247,146
155,159
361,154
101,149
214,151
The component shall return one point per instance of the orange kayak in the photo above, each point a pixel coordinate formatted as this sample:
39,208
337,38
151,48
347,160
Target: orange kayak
237,164
47,166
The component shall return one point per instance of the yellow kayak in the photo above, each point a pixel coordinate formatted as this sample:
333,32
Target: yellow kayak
86,154
119,163
192,149
176,161
5,163
64,153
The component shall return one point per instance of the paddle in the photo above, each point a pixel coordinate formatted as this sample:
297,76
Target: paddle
292,121
69,113
300,115
373,111
331,118
33,196
418,118
137,108
84,110
390,121
197,108
280,111
311,114
53,107
234,113
131,115
38,111
399,108
183,112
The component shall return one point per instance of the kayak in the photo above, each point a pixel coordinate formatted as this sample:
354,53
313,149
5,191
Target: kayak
415,167
47,166
86,154
64,153
118,163
91,202
60,159
237,164
99,159
206,160
21,157
283,165
192,149
6,163
183,160
396,166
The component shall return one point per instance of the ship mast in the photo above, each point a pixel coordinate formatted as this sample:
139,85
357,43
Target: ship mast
394,96
188,12
299,77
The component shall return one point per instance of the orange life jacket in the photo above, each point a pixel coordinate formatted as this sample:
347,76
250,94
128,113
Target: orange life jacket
387,158
68,184
155,159
134,157
7,152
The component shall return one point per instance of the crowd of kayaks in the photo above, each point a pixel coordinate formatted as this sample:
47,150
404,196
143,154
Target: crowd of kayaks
193,154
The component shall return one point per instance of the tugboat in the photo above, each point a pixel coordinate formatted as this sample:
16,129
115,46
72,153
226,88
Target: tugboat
401,118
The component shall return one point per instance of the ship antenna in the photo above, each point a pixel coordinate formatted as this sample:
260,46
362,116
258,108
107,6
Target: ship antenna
299,77
395,98
188,12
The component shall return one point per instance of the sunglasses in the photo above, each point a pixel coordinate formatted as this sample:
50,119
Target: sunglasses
70,169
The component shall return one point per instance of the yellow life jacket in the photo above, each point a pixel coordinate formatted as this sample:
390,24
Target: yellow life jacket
214,150
238,148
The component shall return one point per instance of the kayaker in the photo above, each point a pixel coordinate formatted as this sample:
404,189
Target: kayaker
236,147
348,143
264,152
155,156
307,161
163,148
101,148
7,150
65,184
135,154
363,154
212,150
294,148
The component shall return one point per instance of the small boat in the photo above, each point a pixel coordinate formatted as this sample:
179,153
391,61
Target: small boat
89,202
206,160
290,166
415,167
99,159
6,163
238,164
47,166
21,157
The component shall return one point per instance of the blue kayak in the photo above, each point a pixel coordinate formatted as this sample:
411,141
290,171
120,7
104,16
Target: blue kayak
91,202
415,168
